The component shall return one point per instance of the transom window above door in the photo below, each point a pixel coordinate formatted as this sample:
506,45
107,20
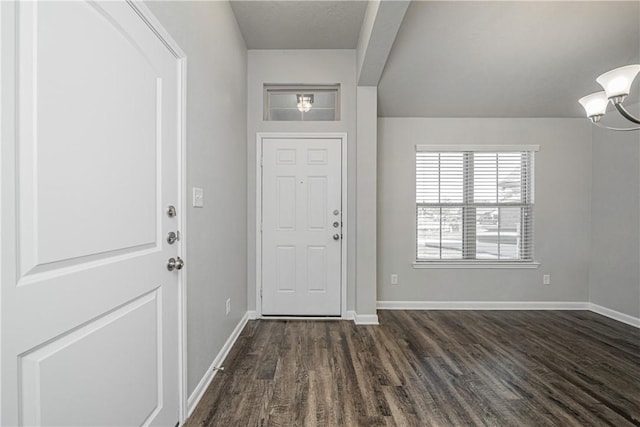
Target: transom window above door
302,103
474,204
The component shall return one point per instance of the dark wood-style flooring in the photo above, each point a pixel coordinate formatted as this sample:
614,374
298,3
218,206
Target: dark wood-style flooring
430,368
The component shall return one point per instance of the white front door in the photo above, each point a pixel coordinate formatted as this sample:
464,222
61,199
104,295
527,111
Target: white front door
90,138
301,226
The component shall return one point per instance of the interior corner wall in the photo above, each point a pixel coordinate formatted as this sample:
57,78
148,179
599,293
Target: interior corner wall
562,210
301,67
614,273
216,161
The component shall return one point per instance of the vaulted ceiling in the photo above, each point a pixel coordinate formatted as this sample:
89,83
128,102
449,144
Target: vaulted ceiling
468,59
505,59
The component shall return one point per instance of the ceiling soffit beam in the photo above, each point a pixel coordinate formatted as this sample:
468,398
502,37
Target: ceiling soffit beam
380,26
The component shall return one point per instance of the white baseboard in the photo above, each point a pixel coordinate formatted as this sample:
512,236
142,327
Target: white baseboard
615,315
358,319
366,319
202,386
362,319
481,305
508,305
252,314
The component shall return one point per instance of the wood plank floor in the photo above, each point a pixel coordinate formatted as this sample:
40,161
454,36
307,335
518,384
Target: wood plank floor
430,368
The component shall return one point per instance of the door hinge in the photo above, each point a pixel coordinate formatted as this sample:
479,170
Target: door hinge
260,161
260,291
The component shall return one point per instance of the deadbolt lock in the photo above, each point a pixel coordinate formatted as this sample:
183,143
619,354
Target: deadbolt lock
171,211
336,224
173,237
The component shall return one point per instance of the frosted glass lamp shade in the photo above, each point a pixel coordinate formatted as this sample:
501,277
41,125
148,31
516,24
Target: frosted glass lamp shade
618,82
305,102
594,104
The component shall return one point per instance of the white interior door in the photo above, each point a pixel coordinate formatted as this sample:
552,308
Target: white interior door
89,165
301,226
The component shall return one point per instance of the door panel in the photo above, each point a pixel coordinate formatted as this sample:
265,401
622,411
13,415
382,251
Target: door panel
52,367
286,268
301,261
89,310
286,202
92,215
317,203
316,268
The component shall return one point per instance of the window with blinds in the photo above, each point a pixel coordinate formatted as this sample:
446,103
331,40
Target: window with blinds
474,203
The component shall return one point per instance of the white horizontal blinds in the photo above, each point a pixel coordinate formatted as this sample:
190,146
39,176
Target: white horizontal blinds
474,205
497,177
439,177
439,197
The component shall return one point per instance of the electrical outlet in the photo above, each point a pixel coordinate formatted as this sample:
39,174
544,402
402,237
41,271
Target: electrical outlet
546,279
228,306
394,279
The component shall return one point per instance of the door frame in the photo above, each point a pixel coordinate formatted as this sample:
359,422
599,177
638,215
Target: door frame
8,130
342,136
181,61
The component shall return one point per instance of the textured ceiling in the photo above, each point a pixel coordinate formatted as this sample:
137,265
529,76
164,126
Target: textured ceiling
300,24
505,59
468,59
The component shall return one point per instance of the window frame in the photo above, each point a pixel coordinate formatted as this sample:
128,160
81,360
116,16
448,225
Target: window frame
468,227
293,89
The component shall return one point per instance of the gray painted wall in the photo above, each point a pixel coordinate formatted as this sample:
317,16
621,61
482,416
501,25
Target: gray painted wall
562,212
614,274
216,161
301,67
366,206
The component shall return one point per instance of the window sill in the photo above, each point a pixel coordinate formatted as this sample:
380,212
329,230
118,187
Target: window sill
475,265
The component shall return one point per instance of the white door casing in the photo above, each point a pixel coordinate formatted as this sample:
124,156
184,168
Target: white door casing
301,226
91,134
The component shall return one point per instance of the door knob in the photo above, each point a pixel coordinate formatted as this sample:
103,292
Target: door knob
336,237
175,264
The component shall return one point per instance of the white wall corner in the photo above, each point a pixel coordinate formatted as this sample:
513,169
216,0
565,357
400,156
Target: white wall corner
252,315
211,372
615,315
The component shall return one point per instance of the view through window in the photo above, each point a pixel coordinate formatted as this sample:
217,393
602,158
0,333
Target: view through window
474,205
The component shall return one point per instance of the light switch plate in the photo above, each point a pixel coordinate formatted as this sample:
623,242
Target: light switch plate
198,197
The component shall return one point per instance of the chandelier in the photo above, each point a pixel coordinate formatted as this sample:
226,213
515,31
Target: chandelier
617,85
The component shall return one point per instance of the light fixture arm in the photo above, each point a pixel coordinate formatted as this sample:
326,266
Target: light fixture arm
600,125
623,111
